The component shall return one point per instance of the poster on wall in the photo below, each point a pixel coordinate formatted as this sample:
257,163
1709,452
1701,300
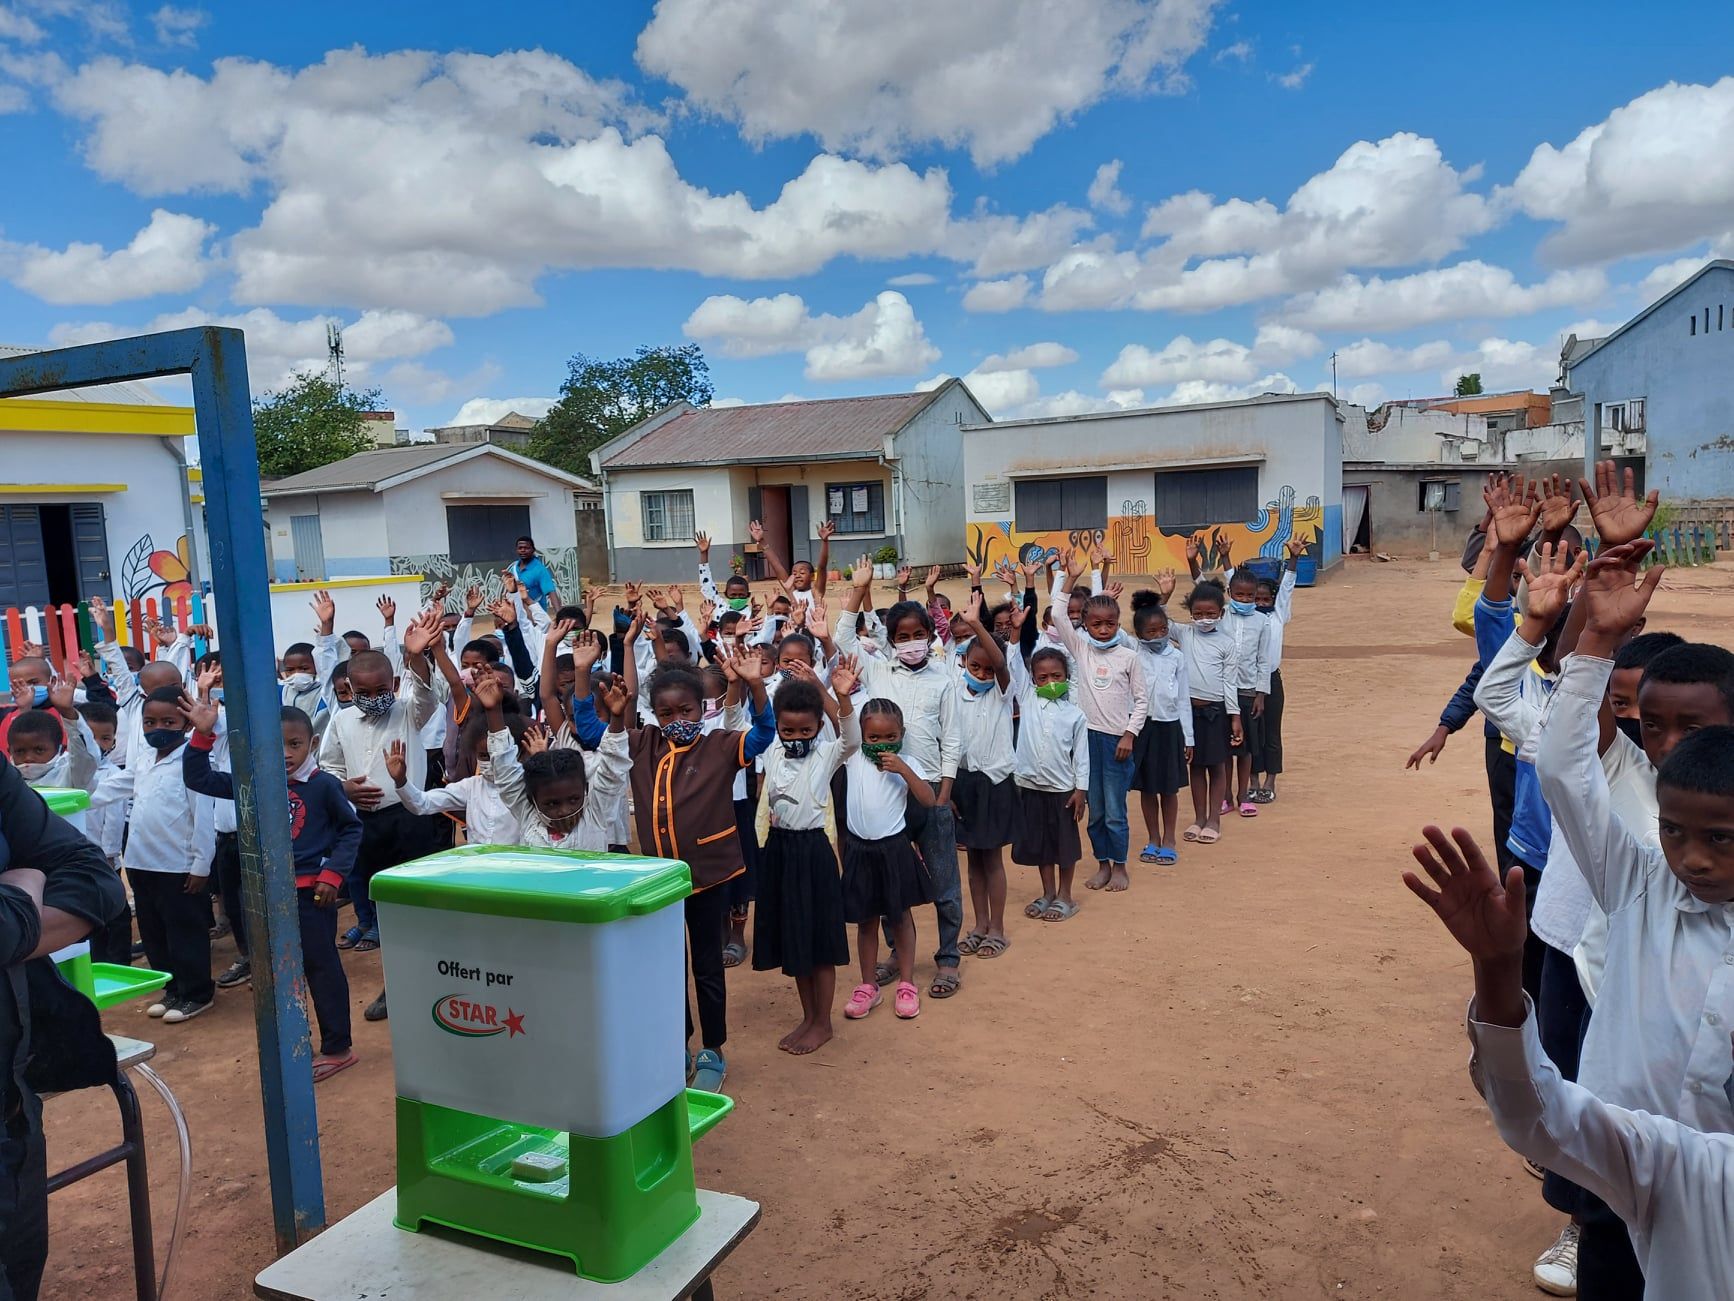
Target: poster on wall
834,501
991,498
859,506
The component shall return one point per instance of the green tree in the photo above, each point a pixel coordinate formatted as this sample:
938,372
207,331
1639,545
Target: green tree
311,421
1469,385
603,398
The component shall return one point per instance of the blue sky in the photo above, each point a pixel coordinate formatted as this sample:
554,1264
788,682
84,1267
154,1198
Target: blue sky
1076,206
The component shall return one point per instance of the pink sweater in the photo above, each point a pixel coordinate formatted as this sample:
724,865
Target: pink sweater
1108,685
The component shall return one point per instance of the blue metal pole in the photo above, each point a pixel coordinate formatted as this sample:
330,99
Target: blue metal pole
216,360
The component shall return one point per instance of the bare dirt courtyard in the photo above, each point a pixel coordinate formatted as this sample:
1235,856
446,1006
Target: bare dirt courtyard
1243,1078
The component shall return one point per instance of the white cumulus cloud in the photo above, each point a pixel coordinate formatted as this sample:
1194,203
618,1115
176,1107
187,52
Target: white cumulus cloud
997,295
166,257
1182,360
992,77
1374,357
883,338
485,411
1464,291
177,26
1105,190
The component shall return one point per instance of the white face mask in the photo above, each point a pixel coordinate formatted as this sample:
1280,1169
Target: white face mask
38,772
299,682
1204,625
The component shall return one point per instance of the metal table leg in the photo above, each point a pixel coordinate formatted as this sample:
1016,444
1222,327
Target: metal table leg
131,1149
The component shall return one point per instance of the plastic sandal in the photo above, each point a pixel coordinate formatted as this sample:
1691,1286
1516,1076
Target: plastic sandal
970,943
368,942
1249,810
1150,855
349,937
992,946
1036,907
1208,837
1167,857
907,1001
862,1001
1191,833
324,1070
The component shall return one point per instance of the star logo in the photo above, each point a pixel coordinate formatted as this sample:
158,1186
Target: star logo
514,1023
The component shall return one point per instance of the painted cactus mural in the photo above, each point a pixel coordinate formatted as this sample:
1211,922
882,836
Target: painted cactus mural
1141,546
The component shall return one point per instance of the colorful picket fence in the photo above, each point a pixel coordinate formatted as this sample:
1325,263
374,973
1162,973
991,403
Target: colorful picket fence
65,630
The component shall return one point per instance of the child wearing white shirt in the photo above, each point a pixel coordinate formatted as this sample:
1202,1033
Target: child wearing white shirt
1052,773
799,926
1164,748
984,793
1275,602
882,875
1212,676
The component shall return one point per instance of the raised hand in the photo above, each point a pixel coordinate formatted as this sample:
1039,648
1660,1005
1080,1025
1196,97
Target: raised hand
1515,505
508,580
749,668
562,629
201,630
1030,568
534,739
388,610
1616,511
1614,595
324,611
1297,548
729,662
472,601
701,540
707,616
845,677
1115,589
1484,914
60,696
587,648
1191,548
587,599
756,531
504,612
677,599
1551,579
800,670
81,667
818,613
487,691
973,572
421,632
827,529
209,679
163,633
1165,585
440,593
634,594
657,597
102,620
972,616
397,763
201,713
1558,506
1097,556
863,573
932,578
615,700
903,577
1019,613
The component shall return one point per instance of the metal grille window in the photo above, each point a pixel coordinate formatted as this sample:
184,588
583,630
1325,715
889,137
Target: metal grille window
856,507
667,515
485,535
1195,499
1050,505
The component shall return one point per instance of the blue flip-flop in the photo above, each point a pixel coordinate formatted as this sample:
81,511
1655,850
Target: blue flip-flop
1150,854
1166,857
709,1070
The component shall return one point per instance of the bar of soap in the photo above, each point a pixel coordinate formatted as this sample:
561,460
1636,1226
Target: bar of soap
538,1167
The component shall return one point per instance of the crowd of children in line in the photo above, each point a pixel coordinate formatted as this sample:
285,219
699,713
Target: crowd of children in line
818,766
1603,939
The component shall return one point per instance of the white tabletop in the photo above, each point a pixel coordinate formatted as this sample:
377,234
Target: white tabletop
366,1256
131,1052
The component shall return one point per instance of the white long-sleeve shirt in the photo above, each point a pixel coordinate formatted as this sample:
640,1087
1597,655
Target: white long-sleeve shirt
797,792
1211,671
644,656
1165,682
355,745
932,742
1250,634
984,724
172,829
1280,614
129,698
1511,692
1658,1041
1053,746
488,818
1671,1185
607,778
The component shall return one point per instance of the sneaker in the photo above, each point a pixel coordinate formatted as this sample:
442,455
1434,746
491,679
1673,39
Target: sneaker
376,1009
221,930
238,972
865,998
1534,1168
185,1010
1556,1269
161,1008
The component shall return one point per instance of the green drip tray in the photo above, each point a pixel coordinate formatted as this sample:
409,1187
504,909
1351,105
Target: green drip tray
116,984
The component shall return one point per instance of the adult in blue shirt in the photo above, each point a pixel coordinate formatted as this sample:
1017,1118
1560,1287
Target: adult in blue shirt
533,572
55,888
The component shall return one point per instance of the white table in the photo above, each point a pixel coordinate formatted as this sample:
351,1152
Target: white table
365,1257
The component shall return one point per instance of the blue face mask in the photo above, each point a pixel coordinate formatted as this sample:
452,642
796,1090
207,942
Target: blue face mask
976,686
39,697
1242,607
163,738
1112,642
1158,646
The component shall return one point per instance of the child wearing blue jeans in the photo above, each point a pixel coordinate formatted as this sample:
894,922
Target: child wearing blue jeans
1108,685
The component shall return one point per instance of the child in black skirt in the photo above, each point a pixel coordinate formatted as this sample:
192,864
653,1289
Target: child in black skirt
1275,601
799,925
1053,781
883,877
1212,678
984,794
1164,749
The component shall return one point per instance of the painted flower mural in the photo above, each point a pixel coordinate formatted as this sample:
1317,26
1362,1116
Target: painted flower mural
147,571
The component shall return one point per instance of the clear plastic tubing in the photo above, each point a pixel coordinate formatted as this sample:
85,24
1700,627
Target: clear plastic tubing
185,1192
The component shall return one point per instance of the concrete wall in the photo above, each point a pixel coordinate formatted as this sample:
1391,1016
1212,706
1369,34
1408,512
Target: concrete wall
1398,525
352,526
1298,441
930,473
714,511
1410,434
292,617
1687,382
415,512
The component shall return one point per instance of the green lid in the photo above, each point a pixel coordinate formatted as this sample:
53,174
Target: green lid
64,801
558,885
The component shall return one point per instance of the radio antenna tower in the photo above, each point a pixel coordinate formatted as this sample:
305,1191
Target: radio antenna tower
334,350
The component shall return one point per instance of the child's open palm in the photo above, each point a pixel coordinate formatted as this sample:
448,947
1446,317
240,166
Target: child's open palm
1165,585
586,649
1614,595
1551,579
845,677
397,763
1615,508
60,695
615,700
1482,913
1515,507
201,713
1558,506
535,737
487,691
421,632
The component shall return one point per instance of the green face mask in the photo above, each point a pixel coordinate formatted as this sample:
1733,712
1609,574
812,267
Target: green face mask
739,602
1054,690
873,749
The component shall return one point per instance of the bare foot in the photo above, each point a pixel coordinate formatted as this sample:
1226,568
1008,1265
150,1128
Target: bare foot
1100,880
793,1035
1118,880
815,1036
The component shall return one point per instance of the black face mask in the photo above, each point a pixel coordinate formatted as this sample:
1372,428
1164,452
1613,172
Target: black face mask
799,748
1633,728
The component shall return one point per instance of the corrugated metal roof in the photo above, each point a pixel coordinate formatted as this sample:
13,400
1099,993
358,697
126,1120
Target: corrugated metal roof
368,469
786,431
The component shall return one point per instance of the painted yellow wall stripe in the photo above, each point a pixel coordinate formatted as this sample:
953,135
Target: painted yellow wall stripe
40,415
346,582
32,489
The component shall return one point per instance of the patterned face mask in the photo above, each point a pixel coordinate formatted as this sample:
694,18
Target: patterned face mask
682,731
873,749
799,747
376,706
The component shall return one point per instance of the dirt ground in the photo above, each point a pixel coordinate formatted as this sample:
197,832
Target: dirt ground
1244,1078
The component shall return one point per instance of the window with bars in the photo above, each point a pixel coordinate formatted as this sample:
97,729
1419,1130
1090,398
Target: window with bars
1050,505
856,507
667,515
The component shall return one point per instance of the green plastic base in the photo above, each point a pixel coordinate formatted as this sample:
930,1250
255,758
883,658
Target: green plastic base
619,1202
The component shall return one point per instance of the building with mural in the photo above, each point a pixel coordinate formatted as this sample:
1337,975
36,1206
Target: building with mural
1239,478
99,500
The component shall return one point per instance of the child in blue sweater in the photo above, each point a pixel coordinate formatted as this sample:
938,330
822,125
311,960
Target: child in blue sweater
327,834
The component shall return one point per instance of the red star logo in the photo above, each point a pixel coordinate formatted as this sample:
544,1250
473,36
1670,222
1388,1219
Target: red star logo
514,1023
